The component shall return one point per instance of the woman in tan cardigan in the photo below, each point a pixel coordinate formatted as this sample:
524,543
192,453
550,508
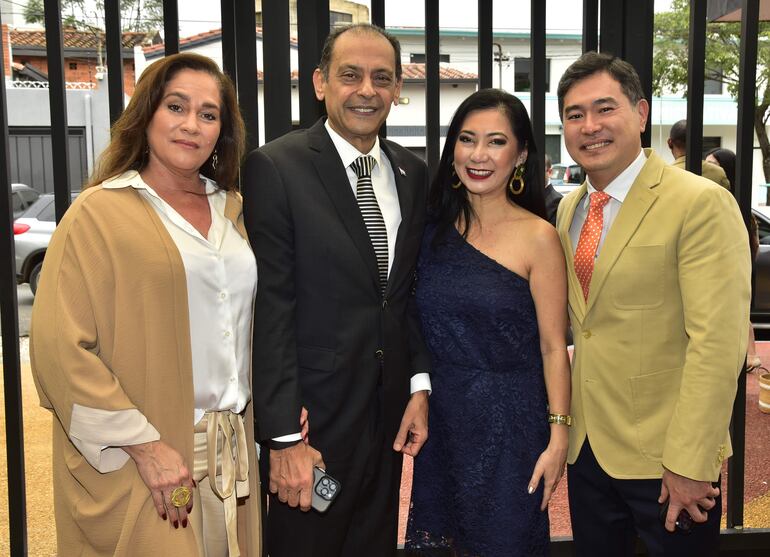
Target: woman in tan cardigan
141,332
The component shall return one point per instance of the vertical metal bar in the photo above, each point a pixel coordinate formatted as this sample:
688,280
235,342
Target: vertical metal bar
378,13
537,69
277,68
9,328
312,28
378,18
590,25
114,39
485,44
745,154
246,62
57,98
639,22
736,463
171,26
612,27
432,87
696,69
228,39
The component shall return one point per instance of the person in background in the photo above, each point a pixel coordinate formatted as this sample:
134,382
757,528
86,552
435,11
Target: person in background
655,367
677,142
491,292
552,197
335,215
140,337
725,158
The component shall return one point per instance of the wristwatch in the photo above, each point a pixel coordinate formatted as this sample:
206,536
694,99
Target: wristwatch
561,419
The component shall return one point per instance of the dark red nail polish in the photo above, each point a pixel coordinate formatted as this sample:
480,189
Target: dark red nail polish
176,524
184,523
163,516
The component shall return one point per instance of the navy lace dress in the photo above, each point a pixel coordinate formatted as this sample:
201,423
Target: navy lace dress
488,410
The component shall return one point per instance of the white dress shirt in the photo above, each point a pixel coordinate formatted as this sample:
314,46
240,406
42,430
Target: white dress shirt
384,184
617,190
221,274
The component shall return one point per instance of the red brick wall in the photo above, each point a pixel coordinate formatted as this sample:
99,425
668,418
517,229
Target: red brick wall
85,71
6,51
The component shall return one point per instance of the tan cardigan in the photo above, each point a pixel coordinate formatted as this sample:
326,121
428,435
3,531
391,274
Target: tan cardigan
110,331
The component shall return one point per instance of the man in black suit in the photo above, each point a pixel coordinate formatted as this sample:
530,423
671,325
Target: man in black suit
552,197
336,236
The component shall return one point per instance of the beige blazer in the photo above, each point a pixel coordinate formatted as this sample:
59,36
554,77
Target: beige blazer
110,331
709,170
662,338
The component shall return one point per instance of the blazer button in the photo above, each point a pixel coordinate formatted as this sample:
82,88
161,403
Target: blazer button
379,354
586,334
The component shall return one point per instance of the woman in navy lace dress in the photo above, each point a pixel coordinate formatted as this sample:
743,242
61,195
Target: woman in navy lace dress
491,291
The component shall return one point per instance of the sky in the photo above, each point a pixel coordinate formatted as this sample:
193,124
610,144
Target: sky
561,15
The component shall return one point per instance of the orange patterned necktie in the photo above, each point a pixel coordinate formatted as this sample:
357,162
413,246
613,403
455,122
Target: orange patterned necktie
589,240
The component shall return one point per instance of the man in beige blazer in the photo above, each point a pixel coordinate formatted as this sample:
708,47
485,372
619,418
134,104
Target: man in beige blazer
658,270
677,142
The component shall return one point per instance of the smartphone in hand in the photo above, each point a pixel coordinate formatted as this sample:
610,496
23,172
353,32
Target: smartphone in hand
325,489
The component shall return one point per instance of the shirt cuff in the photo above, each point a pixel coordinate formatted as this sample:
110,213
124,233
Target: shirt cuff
420,382
99,435
284,441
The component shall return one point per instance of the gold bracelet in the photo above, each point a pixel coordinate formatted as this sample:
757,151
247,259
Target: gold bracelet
560,419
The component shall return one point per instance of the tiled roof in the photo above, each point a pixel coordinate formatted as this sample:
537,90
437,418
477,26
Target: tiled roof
410,72
77,39
206,36
417,71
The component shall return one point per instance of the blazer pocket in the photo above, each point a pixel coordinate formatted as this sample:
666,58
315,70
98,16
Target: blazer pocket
314,357
637,277
654,398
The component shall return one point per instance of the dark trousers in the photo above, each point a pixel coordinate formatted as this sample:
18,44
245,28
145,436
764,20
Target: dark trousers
363,519
608,515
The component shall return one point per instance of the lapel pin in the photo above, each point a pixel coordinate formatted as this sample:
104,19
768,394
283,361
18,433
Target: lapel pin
402,171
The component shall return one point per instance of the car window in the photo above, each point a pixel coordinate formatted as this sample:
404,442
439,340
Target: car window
48,213
763,226
18,204
29,197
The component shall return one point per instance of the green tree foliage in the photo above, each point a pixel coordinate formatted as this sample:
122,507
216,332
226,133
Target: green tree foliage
88,15
723,43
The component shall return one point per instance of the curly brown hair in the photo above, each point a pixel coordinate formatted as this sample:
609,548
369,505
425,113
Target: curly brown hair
128,148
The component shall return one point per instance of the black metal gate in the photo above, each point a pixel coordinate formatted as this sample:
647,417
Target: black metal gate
623,27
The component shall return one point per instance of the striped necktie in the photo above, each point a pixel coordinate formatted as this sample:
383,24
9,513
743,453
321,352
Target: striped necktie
370,211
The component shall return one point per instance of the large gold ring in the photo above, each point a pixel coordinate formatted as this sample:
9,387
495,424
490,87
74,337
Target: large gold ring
180,496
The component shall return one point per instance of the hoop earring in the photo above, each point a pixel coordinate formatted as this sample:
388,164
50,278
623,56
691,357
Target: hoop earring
214,160
518,176
456,185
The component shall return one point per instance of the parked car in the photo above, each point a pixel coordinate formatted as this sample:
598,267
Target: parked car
566,177
31,233
22,197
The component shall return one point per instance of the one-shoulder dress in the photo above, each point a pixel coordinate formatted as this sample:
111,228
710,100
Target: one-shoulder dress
488,408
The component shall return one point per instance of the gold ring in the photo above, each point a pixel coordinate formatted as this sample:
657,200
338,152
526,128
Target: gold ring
180,496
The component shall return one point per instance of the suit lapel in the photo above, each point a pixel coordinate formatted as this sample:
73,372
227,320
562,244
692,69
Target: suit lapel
335,180
570,204
406,204
638,201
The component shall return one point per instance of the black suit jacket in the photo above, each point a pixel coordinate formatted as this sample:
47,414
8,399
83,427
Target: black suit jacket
552,200
324,337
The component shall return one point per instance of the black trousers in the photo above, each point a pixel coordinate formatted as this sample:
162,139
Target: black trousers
608,515
362,520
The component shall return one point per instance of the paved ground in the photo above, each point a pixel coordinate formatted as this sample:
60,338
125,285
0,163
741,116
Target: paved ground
40,522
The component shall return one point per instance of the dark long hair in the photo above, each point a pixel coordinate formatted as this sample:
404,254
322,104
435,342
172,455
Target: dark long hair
128,147
726,160
446,204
